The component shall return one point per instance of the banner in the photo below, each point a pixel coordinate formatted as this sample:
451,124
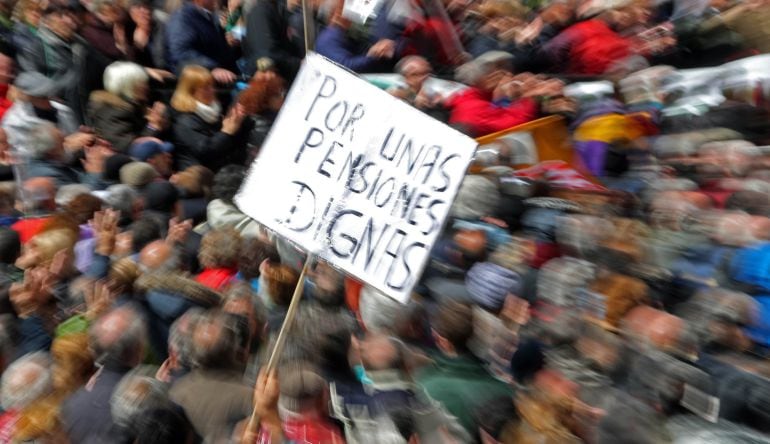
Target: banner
357,177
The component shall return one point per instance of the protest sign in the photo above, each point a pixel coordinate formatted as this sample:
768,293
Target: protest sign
356,177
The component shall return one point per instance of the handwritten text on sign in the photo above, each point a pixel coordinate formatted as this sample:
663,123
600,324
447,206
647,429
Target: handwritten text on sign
357,177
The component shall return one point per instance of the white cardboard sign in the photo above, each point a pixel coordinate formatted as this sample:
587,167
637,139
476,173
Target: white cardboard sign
357,177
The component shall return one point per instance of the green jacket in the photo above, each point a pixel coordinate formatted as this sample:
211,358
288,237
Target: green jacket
462,384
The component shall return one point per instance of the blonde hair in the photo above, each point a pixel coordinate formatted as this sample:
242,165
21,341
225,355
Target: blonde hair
193,78
73,363
51,242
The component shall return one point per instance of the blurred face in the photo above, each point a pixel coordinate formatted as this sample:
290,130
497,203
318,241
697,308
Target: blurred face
62,24
206,93
416,73
32,14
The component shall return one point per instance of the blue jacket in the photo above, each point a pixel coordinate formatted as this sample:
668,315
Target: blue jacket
334,44
193,38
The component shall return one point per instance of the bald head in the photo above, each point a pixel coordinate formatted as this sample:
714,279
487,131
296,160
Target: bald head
214,341
118,338
155,255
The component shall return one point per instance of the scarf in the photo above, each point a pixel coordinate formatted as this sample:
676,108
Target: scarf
209,113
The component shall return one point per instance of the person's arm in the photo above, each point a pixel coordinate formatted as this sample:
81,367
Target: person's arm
489,118
29,57
203,145
556,51
331,44
264,34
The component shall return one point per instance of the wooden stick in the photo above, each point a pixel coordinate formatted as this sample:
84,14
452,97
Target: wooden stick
308,25
280,343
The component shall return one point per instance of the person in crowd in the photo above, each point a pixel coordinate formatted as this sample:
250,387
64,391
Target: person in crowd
221,211
56,53
219,253
140,405
195,37
145,35
29,14
268,31
195,184
304,395
27,391
199,132
212,395
118,341
7,73
38,202
154,152
453,328
34,105
336,43
497,100
47,157
261,102
416,71
118,112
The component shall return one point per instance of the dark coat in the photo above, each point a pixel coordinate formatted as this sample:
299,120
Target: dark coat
86,414
197,142
192,38
268,34
117,120
60,61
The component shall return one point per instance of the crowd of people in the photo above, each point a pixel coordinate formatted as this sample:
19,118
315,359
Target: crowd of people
622,296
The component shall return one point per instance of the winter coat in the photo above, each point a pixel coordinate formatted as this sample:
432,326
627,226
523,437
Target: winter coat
587,48
20,120
268,35
474,109
59,60
116,119
462,384
192,37
198,142
335,44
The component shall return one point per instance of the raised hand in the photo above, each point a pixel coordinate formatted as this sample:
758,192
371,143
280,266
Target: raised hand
178,231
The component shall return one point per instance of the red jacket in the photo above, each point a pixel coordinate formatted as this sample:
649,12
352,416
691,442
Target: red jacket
4,102
588,48
474,109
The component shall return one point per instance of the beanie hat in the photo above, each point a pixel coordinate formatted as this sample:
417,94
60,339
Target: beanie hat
160,196
137,174
112,166
489,284
477,197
